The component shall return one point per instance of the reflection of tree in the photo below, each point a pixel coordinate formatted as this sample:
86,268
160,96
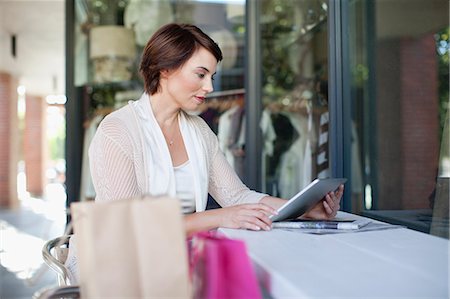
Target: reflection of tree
442,47
276,20
288,30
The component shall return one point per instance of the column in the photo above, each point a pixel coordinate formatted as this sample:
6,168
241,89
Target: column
9,141
35,145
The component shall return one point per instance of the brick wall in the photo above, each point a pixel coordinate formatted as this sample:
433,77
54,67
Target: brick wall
34,144
419,122
407,122
9,141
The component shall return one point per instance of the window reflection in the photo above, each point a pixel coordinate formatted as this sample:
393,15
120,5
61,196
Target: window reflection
295,118
399,98
109,38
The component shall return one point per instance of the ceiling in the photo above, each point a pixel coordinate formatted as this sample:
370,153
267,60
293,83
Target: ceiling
39,63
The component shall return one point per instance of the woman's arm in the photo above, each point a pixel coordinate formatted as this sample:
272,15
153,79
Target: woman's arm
256,216
112,169
246,216
324,209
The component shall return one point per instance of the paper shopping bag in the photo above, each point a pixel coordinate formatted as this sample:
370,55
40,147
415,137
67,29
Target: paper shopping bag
131,249
221,268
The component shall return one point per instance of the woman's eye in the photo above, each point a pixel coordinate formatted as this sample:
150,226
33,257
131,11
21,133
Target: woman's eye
201,76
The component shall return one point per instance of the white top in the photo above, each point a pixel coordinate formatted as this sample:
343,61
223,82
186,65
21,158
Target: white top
184,186
129,158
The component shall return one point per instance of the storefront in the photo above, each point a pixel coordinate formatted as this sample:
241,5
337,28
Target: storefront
307,88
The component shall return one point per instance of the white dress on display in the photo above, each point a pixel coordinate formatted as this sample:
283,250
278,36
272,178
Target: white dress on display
224,131
296,162
268,135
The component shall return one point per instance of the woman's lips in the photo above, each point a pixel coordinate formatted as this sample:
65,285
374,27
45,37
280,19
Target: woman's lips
200,99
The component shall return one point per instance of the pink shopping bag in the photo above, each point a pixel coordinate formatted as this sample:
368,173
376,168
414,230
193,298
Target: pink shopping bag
221,268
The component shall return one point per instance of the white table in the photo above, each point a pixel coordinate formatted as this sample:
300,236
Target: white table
393,263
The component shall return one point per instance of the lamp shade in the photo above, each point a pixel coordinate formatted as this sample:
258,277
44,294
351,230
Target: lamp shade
112,41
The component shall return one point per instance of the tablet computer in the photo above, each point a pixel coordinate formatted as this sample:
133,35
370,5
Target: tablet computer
307,198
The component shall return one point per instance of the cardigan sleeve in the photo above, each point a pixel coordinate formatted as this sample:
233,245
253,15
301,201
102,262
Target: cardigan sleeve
225,186
111,161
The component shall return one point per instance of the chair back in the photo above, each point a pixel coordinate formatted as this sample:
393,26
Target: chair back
54,254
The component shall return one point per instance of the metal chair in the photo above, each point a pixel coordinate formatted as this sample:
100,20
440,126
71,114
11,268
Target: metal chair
58,293
54,254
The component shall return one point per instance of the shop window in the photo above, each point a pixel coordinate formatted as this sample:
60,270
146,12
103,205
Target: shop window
109,37
294,120
398,82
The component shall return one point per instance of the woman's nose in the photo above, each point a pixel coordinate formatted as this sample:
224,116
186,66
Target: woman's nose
208,87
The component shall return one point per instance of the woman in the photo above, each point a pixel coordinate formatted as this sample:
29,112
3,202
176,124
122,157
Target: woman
154,146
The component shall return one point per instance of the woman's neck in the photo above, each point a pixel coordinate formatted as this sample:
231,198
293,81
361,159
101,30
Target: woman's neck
165,113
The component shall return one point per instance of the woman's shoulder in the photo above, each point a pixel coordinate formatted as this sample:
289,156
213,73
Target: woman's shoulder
119,129
199,123
119,125
193,118
120,113
120,118
208,137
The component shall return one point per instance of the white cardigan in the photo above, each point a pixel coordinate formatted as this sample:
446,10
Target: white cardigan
129,157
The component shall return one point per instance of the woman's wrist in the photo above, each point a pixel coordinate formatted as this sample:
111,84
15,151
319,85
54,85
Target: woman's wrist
274,202
202,221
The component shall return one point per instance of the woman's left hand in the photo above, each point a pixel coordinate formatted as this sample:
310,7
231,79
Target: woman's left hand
326,208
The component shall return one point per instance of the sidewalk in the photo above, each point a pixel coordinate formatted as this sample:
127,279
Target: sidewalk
23,232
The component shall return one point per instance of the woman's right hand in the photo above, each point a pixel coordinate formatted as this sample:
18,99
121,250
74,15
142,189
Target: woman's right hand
247,216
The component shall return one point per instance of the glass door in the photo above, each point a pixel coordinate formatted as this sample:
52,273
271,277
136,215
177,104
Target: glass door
294,94
105,44
398,91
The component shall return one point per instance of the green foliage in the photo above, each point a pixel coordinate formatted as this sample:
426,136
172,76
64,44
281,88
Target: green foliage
442,48
276,22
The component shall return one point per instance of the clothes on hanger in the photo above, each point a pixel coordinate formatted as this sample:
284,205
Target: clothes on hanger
296,162
224,132
322,149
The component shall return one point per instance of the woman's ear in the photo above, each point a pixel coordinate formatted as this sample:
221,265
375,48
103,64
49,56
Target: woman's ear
164,74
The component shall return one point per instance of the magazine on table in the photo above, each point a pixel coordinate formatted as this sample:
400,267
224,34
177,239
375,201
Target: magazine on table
335,226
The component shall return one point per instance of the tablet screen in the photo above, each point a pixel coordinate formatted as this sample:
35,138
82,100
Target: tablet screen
307,198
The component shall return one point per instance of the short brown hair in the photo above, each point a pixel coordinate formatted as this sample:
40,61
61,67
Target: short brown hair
169,48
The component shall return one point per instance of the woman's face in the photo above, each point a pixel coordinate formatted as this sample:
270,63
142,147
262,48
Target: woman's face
189,85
